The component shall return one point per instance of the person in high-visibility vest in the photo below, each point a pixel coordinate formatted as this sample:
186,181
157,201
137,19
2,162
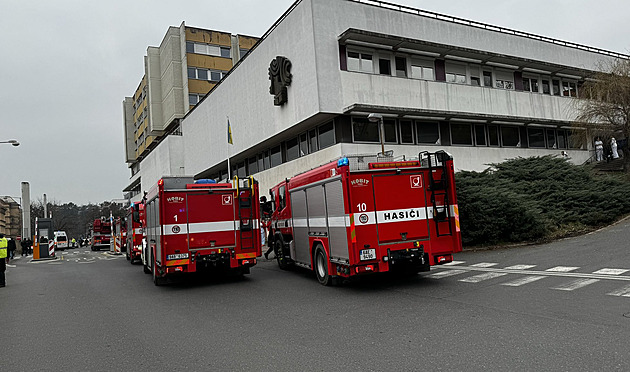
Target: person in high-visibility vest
3,259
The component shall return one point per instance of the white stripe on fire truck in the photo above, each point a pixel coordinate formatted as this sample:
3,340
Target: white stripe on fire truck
204,227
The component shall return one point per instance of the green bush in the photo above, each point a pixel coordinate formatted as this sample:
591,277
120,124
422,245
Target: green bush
530,199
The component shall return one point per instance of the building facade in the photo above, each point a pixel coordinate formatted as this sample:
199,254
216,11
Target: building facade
483,93
188,63
10,217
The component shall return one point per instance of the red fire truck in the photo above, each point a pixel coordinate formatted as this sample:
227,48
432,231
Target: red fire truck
195,226
101,233
135,231
362,214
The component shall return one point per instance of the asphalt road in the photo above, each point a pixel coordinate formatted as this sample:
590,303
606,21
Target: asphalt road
557,306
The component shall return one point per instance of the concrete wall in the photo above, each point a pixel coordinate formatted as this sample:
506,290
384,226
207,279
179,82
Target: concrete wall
128,130
332,18
165,159
244,97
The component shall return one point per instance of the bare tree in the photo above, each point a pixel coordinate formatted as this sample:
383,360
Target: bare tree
605,105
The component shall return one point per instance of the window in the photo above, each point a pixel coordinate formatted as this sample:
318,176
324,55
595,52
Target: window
276,156
384,66
312,139
303,144
207,49
406,132
455,73
562,139
536,137
530,84
292,149
510,137
241,172
487,78
360,62
569,89
326,136
261,164
252,165
401,67
428,133
545,87
474,75
504,80
242,52
266,160
480,135
461,134
389,128
556,87
203,74
422,69
281,198
364,130
576,139
493,135
551,139
193,99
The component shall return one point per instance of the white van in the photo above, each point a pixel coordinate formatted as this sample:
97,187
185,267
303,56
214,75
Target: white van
61,240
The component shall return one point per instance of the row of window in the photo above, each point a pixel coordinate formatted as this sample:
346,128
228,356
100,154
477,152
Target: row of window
379,62
205,74
207,49
306,143
407,131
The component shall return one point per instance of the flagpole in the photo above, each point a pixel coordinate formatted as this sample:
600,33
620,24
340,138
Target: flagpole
228,152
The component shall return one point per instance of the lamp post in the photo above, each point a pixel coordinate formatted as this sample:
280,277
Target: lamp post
13,142
378,118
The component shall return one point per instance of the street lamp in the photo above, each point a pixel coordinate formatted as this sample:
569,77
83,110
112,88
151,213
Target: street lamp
13,142
378,118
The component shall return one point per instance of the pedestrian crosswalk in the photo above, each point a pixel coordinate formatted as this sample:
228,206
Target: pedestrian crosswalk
572,278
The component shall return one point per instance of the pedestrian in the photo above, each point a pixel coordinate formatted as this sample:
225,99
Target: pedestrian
613,146
267,210
3,259
599,149
12,248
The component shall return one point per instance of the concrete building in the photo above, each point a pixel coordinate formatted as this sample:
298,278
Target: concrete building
10,217
187,64
481,92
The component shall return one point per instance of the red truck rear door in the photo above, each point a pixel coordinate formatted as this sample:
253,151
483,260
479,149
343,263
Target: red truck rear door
401,207
211,220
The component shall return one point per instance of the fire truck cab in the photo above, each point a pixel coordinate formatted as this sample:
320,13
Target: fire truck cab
194,226
367,214
135,231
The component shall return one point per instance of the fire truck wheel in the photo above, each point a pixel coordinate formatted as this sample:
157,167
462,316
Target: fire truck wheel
278,251
145,268
321,266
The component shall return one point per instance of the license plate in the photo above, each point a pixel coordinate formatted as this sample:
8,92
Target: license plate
177,256
367,254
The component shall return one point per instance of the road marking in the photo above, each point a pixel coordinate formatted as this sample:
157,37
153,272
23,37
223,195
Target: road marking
523,281
538,272
562,269
11,265
482,277
453,263
520,267
576,284
444,274
625,292
484,264
611,271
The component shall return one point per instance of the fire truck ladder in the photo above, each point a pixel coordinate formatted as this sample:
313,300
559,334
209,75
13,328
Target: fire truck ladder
439,186
245,212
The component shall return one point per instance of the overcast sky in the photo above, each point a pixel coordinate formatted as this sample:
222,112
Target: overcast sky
66,66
